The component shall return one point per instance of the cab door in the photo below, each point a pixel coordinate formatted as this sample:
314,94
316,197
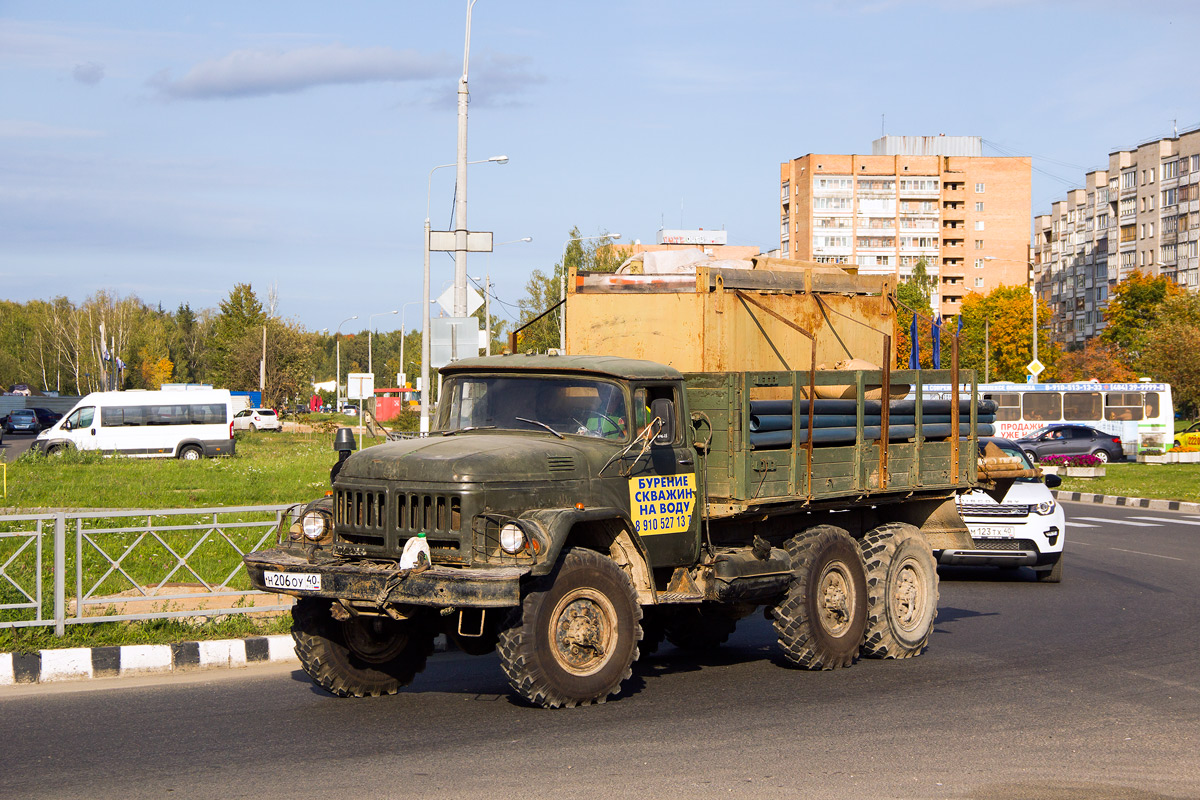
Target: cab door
84,425
664,490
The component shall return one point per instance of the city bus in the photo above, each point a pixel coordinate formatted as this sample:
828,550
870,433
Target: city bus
1142,413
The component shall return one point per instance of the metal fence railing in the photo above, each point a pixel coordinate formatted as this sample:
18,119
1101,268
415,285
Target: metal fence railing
67,568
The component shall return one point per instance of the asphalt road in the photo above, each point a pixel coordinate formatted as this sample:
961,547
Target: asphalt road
1085,689
14,445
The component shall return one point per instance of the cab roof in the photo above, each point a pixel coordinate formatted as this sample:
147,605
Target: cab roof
627,368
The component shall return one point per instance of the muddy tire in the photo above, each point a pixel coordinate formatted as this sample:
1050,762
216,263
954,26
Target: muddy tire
574,638
902,591
363,656
1050,574
700,627
821,618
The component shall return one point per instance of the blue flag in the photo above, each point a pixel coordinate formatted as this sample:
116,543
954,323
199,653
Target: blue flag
959,331
937,342
914,355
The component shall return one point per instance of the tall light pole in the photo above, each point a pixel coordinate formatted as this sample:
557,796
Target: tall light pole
425,291
337,381
562,291
370,332
460,193
403,333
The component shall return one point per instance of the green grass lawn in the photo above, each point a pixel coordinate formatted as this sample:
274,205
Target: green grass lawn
1155,481
268,469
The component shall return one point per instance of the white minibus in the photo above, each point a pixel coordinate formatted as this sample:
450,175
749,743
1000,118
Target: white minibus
184,424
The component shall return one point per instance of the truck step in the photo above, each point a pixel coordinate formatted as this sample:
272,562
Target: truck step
679,597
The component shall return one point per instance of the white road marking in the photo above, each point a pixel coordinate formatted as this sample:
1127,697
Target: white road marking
1140,553
1120,522
1071,520
1171,520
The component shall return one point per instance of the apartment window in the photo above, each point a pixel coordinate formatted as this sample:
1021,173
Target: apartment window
979,208
1101,222
1166,253
835,184
979,188
783,232
979,246
979,262
1191,254
1128,234
1149,233
1170,169
783,195
1143,208
1170,224
1151,172
1102,195
1170,197
1128,180
1195,167
835,203
1128,209
919,184
1126,261
979,283
979,227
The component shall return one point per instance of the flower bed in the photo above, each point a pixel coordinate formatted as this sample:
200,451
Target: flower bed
1071,461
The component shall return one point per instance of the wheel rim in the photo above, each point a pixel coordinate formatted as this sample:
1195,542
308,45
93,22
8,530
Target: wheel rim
909,596
585,626
191,455
835,599
374,641
1102,455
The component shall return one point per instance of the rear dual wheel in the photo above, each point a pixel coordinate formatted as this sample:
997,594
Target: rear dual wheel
902,591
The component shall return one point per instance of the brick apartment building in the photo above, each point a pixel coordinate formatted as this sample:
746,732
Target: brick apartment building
1142,213
915,197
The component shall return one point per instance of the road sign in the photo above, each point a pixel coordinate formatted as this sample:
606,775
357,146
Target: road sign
477,241
446,300
360,386
452,338
1035,367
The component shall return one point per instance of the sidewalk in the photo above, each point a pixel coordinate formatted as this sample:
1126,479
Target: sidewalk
1128,502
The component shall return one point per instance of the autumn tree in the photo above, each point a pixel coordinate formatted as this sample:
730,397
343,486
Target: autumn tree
239,313
1097,360
914,294
1132,308
1172,349
1001,321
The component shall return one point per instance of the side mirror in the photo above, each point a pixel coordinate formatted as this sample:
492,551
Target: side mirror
66,426
1053,481
664,409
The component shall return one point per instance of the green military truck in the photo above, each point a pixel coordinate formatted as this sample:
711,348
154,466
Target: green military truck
580,509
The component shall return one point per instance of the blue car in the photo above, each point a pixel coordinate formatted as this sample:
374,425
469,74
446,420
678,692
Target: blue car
22,420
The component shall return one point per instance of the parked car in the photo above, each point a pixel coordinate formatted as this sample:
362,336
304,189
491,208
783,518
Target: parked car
1189,437
256,419
1025,528
46,417
22,420
1071,440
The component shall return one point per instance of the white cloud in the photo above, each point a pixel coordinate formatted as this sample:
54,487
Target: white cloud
26,129
248,73
90,73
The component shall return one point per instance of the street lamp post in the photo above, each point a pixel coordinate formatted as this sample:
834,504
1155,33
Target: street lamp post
562,289
425,291
337,380
403,333
460,193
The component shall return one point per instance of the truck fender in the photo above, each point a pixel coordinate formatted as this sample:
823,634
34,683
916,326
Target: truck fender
605,530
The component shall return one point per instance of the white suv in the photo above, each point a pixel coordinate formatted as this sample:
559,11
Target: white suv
1025,529
256,419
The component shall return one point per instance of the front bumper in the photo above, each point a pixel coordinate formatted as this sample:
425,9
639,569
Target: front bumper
386,584
1029,546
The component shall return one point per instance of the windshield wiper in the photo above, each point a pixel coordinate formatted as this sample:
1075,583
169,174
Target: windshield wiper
468,428
544,425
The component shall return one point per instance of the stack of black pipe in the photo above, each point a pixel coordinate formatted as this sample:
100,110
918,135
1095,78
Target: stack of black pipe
835,421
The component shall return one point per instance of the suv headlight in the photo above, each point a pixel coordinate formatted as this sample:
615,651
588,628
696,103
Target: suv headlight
1045,507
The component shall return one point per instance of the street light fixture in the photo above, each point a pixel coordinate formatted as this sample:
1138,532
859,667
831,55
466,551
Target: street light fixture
425,290
337,380
562,293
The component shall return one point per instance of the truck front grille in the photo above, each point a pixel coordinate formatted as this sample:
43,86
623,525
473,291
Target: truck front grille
386,519
993,510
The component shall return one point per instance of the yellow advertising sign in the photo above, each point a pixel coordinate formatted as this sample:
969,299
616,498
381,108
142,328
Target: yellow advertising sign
662,503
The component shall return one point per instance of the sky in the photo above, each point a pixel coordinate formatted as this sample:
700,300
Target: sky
172,150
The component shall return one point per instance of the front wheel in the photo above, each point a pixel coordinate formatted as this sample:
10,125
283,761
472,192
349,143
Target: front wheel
820,620
253,428
190,453
362,656
1032,456
1050,574
574,638
902,591
1101,456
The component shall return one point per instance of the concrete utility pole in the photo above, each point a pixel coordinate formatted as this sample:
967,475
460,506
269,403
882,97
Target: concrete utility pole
460,193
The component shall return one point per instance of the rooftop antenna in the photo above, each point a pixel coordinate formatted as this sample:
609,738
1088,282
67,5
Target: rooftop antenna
883,124
1175,127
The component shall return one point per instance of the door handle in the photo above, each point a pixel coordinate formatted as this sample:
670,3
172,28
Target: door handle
686,461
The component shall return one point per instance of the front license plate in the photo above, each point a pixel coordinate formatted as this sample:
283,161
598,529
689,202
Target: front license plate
992,531
293,581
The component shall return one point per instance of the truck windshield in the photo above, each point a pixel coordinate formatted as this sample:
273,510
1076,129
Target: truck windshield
566,405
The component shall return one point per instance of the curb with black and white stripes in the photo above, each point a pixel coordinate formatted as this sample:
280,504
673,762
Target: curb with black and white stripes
1128,502
85,663
88,663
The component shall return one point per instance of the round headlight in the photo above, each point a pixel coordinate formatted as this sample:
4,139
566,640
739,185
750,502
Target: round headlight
512,538
1045,507
315,525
